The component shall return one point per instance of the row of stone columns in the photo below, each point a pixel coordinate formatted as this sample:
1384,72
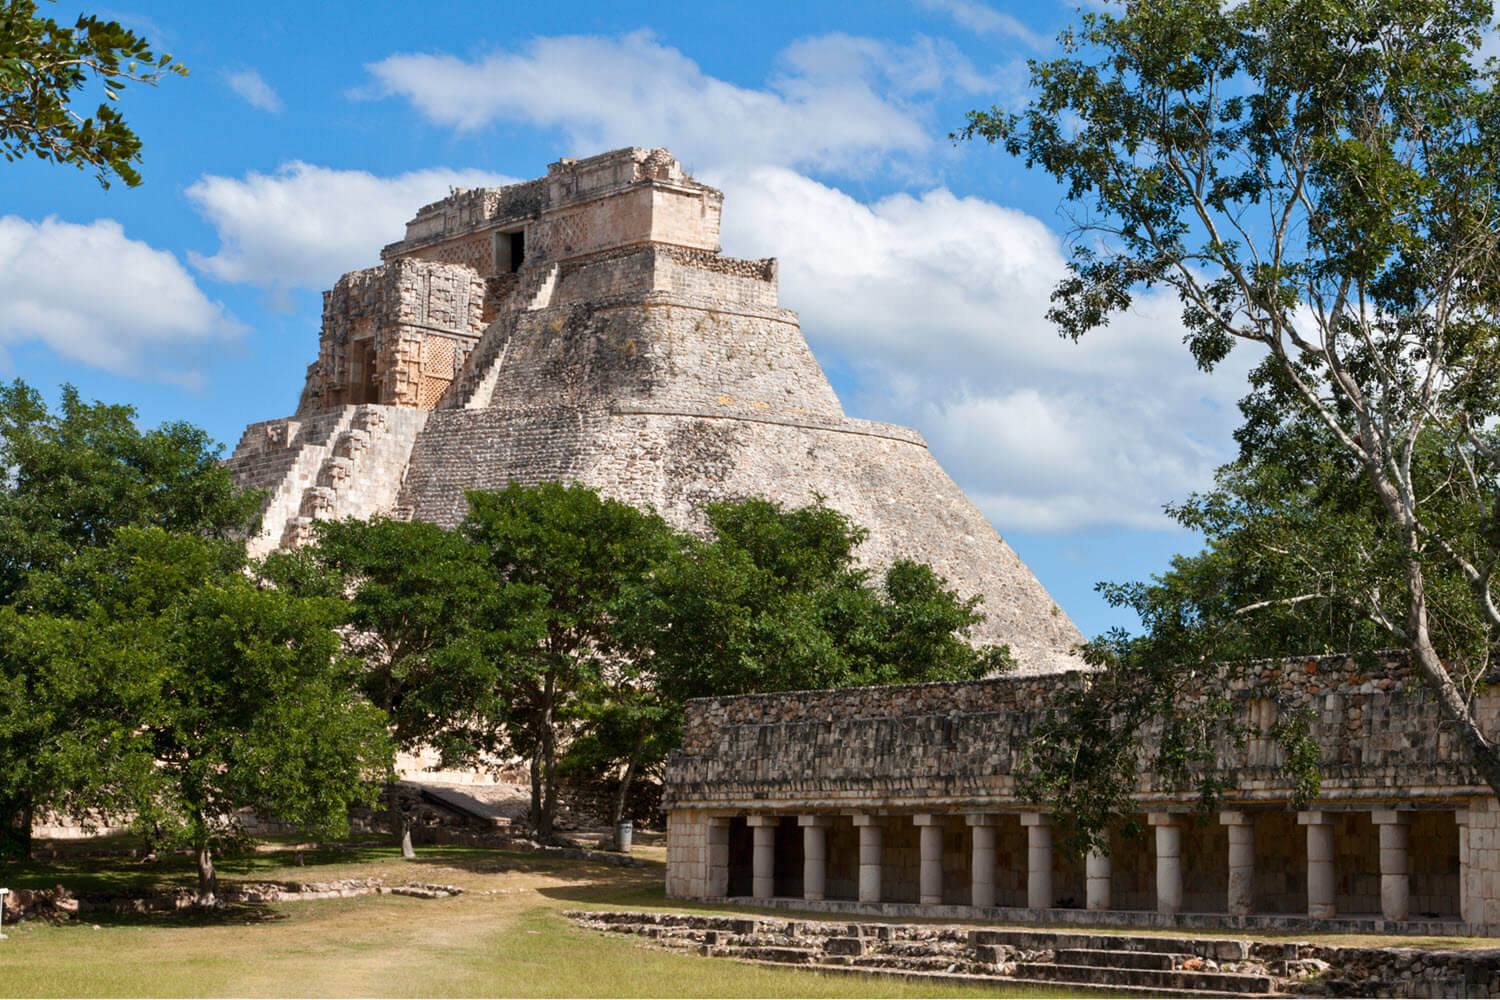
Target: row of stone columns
1395,888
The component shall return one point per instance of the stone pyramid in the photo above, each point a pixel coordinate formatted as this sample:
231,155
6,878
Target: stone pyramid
584,327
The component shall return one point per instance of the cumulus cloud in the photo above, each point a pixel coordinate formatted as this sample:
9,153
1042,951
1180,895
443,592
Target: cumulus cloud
938,303
836,102
304,225
93,295
250,85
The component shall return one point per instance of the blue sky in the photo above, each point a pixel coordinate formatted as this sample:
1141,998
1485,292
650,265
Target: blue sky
307,133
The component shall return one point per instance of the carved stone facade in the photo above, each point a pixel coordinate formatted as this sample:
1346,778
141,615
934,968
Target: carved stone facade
905,800
584,327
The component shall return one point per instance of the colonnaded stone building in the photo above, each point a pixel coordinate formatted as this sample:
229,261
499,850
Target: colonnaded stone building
904,800
585,327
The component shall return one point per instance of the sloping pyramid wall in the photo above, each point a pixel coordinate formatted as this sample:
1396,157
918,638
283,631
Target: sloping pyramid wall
664,377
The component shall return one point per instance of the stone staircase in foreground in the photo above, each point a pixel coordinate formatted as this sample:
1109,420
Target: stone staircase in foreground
1120,964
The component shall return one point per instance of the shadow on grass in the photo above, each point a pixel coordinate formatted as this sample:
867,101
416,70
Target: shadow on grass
233,913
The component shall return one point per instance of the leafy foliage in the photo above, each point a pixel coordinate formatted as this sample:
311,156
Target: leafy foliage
559,557
73,480
1316,181
44,65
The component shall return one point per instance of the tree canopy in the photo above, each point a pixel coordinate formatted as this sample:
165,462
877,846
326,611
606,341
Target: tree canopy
1317,183
44,67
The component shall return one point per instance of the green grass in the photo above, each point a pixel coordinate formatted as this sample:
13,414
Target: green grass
505,936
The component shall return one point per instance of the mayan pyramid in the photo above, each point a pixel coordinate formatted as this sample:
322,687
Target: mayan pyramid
584,327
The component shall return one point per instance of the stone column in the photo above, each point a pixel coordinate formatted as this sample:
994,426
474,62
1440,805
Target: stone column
1038,860
1168,862
814,855
1395,882
718,857
763,881
930,887
871,844
982,867
1320,875
1098,870
1241,830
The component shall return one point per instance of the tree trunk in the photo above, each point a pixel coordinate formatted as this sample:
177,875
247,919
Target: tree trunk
1450,700
536,785
622,797
28,817
547,751
402,821
208,879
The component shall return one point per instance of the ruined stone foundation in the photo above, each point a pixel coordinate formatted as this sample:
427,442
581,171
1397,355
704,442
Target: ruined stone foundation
584,327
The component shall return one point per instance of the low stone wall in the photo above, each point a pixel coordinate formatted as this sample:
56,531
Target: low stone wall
995,957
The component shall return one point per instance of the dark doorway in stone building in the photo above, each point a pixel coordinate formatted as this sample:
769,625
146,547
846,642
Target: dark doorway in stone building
843,859
1205,864
1432,860
741,857
364,381
1356,864
1280,864
1132,868
788,858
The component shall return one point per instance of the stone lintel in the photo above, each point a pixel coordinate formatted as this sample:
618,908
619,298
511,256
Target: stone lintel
1036,819
815,819
1313,817
763,819
1385,817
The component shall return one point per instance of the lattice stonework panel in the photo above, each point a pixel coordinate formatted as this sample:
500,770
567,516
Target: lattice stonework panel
439,364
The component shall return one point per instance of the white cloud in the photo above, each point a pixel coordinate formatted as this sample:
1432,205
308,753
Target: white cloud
836,103
250,85
939,304
985,20
304,225
95,296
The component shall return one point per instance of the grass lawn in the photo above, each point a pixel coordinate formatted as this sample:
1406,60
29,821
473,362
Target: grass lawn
505,936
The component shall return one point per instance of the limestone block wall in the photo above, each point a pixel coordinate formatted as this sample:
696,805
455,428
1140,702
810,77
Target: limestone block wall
660,352
687,853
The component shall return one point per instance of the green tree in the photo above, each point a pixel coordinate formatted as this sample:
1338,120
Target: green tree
560,557
74,478
1316,181
420,615
776,601
43,66
206,693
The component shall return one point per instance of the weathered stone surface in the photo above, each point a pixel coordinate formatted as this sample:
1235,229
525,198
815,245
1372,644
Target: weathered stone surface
584,327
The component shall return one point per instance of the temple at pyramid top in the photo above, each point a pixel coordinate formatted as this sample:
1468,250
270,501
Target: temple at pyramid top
584,327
